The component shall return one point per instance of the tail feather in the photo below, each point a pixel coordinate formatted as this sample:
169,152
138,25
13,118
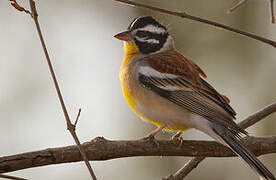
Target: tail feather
233,141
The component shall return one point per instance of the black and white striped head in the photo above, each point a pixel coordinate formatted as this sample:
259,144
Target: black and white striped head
149,36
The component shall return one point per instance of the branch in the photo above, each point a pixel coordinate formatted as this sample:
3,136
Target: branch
272,11
237,6
247,122
10,177
70,126
101,149
18,7
77,118
195,18
257,116
186,169
244,1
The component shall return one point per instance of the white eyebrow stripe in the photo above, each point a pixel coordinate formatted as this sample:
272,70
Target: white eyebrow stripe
153,29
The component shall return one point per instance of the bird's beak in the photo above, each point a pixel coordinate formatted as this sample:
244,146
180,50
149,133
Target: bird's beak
124,36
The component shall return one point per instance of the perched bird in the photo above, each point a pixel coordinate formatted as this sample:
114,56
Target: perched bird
165,88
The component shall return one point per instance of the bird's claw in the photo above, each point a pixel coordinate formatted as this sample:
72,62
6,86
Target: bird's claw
178,139
151,139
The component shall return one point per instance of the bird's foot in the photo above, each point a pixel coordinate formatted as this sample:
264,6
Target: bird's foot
151,137
177,137
151,140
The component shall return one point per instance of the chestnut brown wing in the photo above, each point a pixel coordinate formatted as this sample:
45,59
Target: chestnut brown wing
172,62
177,79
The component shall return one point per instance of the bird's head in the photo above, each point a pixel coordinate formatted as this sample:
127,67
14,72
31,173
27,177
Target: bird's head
148,35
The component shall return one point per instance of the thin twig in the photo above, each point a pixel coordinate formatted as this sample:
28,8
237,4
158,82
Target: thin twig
77,118
18,7
247,122
70,126
185,170
257,116
236,6
272,11
187,16
244,1
11,177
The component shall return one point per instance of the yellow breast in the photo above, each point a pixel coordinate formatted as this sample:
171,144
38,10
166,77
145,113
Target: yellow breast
130,51
129,89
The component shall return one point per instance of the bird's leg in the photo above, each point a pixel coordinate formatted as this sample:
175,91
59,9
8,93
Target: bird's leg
151,136
157,130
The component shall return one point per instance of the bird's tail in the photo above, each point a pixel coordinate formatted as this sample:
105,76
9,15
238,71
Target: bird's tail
233,141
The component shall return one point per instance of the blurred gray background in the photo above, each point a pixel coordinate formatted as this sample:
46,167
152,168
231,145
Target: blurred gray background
86,58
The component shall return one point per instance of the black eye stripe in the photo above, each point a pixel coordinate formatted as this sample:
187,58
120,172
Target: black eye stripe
147,47
142,34
150,35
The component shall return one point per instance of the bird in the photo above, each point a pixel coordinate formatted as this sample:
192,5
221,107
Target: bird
167,89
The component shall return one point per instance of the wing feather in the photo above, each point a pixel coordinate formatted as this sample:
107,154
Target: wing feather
181,84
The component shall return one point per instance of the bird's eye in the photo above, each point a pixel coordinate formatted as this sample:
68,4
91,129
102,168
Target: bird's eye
142,34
